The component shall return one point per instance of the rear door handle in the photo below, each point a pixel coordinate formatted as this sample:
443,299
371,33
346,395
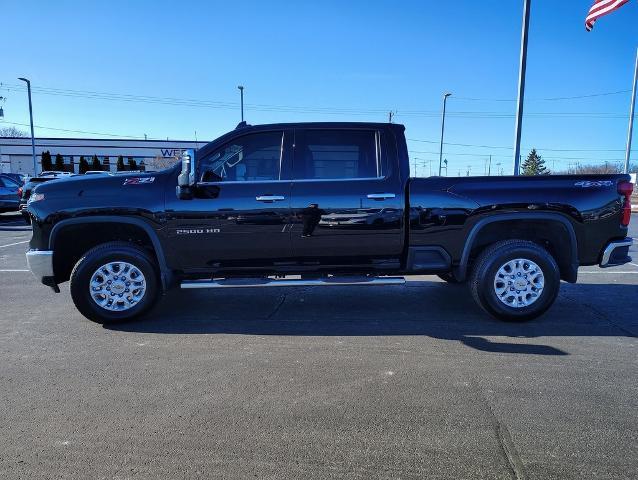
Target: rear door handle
381,196
269,198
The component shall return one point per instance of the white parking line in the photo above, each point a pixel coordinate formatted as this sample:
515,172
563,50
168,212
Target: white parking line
12,244
608,273
2,271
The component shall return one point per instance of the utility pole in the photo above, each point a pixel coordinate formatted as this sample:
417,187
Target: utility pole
631,116
442,131
489,167
521,86
35,164
241,93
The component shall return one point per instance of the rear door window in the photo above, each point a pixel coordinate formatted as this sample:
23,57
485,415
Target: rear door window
336,154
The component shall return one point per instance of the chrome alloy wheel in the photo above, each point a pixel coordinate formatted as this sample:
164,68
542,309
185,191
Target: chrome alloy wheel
117,286
519,283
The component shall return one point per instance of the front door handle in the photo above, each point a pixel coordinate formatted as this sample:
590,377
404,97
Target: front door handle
381,196
270,198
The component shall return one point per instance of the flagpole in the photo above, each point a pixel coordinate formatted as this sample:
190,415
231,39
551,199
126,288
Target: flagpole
631,116
521,86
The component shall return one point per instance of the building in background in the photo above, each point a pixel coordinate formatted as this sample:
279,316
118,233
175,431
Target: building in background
16,157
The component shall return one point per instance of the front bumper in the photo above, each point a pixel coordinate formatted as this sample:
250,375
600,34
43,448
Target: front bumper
616,253
41,265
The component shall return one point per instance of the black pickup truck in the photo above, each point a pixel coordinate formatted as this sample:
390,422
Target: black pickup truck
320,204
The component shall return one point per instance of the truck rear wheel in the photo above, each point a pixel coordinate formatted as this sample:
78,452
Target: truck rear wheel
515,280
114,282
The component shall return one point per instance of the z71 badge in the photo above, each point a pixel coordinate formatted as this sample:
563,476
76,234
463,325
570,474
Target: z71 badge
138,180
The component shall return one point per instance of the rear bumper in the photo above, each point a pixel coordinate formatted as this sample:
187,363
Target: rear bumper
616,253
41,265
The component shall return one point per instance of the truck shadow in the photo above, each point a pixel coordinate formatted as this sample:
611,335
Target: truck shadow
426,308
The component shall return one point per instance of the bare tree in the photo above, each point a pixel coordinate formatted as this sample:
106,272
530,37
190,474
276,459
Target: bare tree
12,132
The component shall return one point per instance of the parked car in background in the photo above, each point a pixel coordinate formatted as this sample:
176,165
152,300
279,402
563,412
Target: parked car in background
9,188
56,173
19,178
26,189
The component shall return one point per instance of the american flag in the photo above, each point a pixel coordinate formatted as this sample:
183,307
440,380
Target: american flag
601,8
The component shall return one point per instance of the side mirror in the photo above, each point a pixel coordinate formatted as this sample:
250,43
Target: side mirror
187,176
186,179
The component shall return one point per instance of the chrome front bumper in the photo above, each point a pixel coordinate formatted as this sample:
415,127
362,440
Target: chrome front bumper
41,264
616,253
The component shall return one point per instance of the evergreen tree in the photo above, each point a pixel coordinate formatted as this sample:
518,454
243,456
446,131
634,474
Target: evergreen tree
534,164
83,166
120,163
46,161
95,163
132,164
59,163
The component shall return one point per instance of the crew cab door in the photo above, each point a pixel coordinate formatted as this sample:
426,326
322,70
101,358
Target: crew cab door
241,205
347,197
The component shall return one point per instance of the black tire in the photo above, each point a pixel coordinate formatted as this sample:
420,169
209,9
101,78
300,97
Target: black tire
449,278
101,255
489,262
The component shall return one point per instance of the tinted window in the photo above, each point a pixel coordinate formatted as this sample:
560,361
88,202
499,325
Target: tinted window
254,157
325,154
8,183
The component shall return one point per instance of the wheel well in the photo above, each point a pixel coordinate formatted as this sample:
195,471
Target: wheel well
73,241
554,236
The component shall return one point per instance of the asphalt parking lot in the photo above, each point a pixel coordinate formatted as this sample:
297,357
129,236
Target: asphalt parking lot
357,382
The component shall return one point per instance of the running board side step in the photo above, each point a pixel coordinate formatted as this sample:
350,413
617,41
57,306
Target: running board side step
273,282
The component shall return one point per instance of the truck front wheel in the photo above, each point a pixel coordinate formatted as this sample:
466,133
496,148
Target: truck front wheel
114,282
515,280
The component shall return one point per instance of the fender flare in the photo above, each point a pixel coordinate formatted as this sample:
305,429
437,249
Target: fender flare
460,272
165,272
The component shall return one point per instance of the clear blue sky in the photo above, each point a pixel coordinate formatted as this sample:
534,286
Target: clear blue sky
336,60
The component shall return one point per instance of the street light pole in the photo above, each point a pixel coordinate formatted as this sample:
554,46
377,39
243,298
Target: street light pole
631,117
241,92
521,86
35,165
442,131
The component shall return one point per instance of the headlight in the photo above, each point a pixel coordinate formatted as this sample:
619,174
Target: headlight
35,197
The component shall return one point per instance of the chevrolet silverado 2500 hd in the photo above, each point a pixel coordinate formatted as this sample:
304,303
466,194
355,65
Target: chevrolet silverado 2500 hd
320,204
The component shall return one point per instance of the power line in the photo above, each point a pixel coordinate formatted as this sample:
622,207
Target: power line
484,155
452,154
174,101
511,148
552,99
74,131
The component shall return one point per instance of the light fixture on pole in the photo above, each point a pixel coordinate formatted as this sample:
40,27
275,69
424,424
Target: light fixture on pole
632,110
241,93
442,131
35,165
